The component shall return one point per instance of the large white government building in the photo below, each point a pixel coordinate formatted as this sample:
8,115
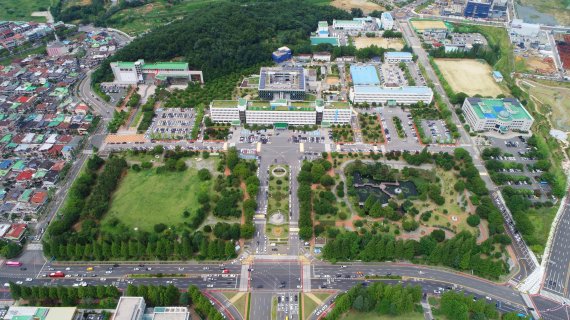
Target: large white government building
141,72
280,111
499,115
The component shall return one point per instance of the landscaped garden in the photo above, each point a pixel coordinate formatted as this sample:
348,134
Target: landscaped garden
278,202
370,128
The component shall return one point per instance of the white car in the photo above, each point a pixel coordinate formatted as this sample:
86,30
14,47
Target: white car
210,285
29,279
19,282
67,269
108,272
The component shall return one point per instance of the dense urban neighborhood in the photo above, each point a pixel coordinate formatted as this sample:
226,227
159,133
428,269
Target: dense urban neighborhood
284,160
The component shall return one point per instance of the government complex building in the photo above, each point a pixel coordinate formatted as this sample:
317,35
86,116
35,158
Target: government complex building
282,83
499,115
280,111
141,72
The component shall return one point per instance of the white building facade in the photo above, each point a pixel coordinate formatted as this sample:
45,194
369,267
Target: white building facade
389,95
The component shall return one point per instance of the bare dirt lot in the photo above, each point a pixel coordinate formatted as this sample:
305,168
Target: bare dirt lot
538,64
469,76
365,5
553,101
421,25
365,42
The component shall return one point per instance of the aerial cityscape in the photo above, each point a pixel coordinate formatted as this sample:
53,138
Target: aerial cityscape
284,160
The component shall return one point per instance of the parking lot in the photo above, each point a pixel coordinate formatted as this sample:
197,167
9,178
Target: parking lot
438,131
410,141
172,123
392,75
116,92
515,152
288,304
416,74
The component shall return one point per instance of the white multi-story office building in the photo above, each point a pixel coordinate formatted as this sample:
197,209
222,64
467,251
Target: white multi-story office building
391,96
387,21
499,115
280,111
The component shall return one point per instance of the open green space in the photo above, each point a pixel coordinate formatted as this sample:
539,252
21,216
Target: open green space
541,219
375,316
146,198
278,191
137,20
309,306
552,100
21,10
240,303
229,294
322,295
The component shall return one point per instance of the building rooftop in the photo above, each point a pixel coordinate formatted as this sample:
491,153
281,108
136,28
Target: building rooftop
61,313
364,75
280,105
224,104
166,66
122,64
323,24
401,90
127,306
320,40
507,109
397,54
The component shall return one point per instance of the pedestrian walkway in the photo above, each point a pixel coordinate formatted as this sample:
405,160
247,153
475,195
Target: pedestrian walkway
244,278
427,310
307,278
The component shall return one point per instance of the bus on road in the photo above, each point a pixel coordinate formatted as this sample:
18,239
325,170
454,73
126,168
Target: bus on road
13,263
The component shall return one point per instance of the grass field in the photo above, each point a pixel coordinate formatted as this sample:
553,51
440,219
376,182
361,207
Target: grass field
365,5
309,306
22,9
240,304
542,221
141,19
145,198
553,101
388,43
374,316
469,76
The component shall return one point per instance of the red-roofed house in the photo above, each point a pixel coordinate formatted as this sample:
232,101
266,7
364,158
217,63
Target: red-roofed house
55,151
58,166
39,198
23,99
16,232
81,109
25,175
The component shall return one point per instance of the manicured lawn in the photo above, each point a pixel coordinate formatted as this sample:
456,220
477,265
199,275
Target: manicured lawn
374,316
145,198
240,304
309,307
322,295
21,10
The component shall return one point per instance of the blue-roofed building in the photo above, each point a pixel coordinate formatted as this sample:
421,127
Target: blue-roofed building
397,57
497,76
478,8
499,115
5,164
282,54
364,75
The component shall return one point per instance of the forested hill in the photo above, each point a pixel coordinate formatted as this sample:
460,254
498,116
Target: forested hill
225,38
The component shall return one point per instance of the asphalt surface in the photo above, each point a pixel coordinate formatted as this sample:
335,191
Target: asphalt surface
557,273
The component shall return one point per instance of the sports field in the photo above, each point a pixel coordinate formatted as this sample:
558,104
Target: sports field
365,5
469,76
421,25
365,42
146,198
